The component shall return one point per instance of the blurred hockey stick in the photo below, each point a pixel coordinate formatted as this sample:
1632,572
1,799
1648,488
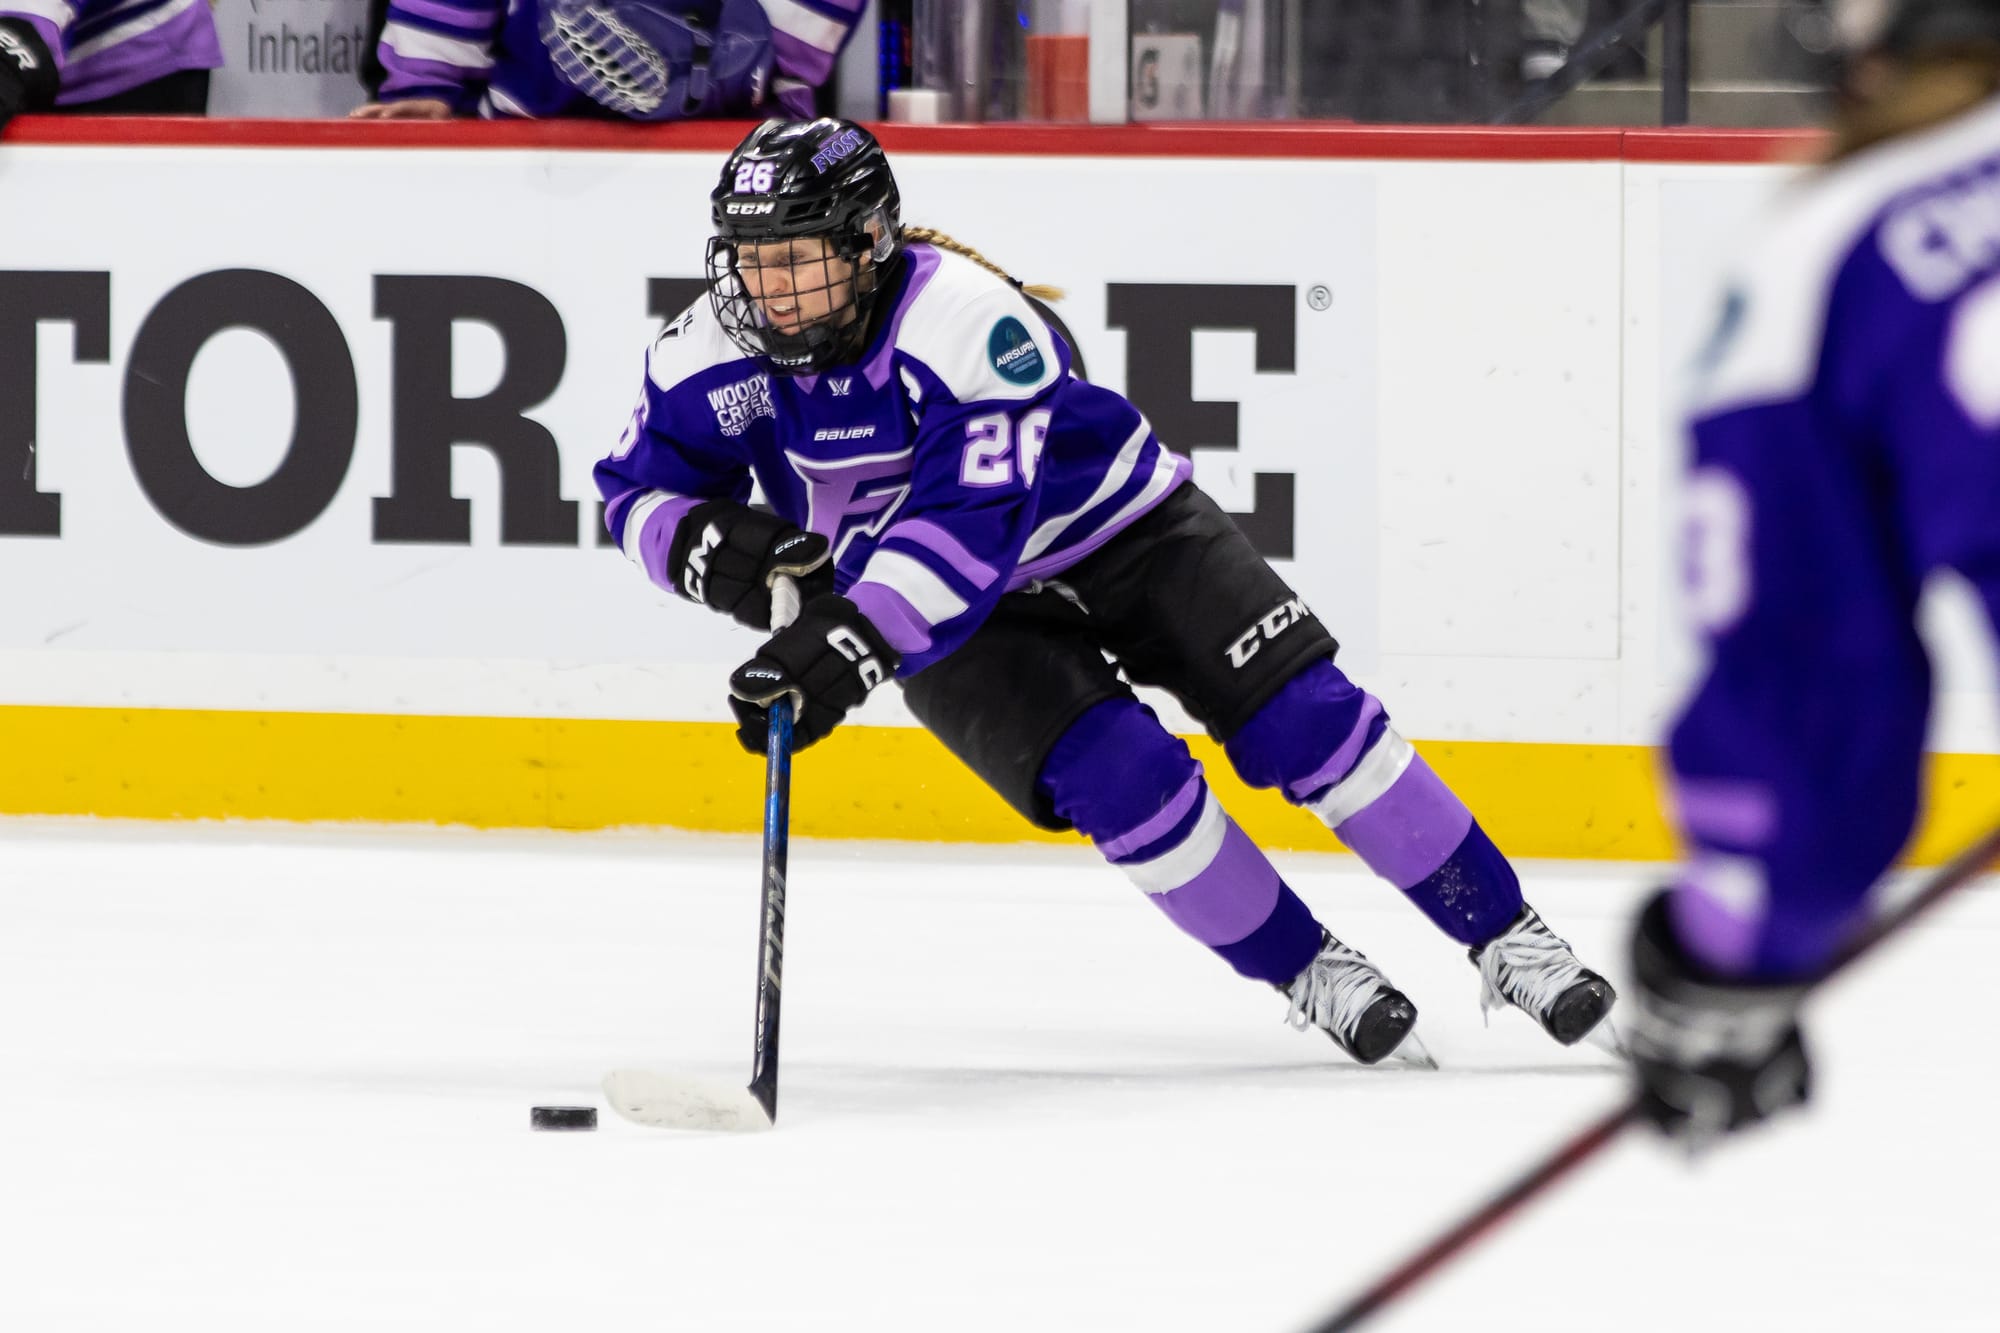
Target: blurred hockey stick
1584,1145
675,1101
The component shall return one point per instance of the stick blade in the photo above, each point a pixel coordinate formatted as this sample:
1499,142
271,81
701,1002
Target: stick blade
674,1101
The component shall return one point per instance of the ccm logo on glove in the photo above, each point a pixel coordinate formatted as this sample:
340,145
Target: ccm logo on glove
727,555
828,660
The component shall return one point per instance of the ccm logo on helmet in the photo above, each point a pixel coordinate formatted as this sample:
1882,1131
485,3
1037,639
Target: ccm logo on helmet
1270,627
751,209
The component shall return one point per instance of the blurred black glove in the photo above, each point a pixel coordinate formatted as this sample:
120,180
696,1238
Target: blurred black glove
28,78
726,555
827,660
1712,1055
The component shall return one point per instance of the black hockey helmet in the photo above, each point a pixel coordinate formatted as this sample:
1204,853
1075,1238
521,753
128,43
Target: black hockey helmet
822,179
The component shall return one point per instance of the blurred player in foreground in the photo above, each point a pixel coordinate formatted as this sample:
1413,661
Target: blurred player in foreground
967,515
1846,432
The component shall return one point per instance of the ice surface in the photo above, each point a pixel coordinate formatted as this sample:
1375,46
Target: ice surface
255,1078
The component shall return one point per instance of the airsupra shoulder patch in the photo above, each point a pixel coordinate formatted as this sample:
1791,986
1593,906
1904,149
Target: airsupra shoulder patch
1013,352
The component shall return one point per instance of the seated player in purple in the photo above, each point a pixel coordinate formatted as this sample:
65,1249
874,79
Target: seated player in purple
966,515
1846,433
106,56
646,60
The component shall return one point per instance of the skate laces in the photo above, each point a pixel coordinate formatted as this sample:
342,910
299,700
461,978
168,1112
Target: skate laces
1335,990
1528,966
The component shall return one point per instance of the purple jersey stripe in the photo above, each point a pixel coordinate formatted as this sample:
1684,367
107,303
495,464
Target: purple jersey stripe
656,539
128,59
893,618
1228,899
476,17
840,11
454,26
922,533
614,512
421,78
807,62
1409,830
1056,561
86,28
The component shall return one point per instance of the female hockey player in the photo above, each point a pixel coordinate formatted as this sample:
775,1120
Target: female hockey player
966,515
1846,432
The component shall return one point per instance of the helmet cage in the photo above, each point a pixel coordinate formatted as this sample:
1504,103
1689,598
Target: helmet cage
753,310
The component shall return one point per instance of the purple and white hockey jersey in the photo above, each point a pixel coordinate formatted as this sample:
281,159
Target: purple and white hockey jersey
1846,431
958,459
106,47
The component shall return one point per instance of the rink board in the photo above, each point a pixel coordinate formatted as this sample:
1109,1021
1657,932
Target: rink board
264,562
1597,802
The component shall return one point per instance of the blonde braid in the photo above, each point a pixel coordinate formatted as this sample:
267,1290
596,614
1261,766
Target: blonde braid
1040,291
1914,93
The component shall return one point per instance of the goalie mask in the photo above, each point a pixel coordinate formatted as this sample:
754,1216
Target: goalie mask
658,60
808,231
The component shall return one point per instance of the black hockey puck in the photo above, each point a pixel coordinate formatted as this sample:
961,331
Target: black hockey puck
563,1117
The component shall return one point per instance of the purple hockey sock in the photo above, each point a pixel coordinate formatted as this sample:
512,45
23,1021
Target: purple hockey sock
1133,789
1327,744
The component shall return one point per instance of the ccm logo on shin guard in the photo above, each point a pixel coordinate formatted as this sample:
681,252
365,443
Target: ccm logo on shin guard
850,646
1270,627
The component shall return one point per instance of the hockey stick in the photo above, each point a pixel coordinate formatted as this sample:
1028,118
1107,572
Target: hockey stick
674,1101
1585,1144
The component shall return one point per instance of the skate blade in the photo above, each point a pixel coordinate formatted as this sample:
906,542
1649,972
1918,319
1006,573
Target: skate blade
1411,1054
1605,1038
674,1101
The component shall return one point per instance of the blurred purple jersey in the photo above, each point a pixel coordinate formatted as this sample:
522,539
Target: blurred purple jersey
106,47
957,460
1846,431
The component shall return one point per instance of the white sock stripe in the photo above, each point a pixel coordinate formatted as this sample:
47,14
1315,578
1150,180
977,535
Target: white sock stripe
1374,775
1197,852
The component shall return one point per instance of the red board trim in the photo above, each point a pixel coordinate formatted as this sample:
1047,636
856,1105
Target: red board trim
1205,139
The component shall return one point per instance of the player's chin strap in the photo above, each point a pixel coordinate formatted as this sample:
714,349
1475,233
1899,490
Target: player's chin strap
1585,1143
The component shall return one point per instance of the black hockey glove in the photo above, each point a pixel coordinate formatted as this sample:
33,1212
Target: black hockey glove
725,555
1712,1056
28,79
827,660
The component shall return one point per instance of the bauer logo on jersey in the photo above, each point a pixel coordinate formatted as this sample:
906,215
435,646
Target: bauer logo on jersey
1014,352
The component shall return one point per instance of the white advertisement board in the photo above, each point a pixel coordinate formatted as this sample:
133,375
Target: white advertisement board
325,427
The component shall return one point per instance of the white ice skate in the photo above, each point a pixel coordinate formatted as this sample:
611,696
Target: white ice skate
1529,967
1347,997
